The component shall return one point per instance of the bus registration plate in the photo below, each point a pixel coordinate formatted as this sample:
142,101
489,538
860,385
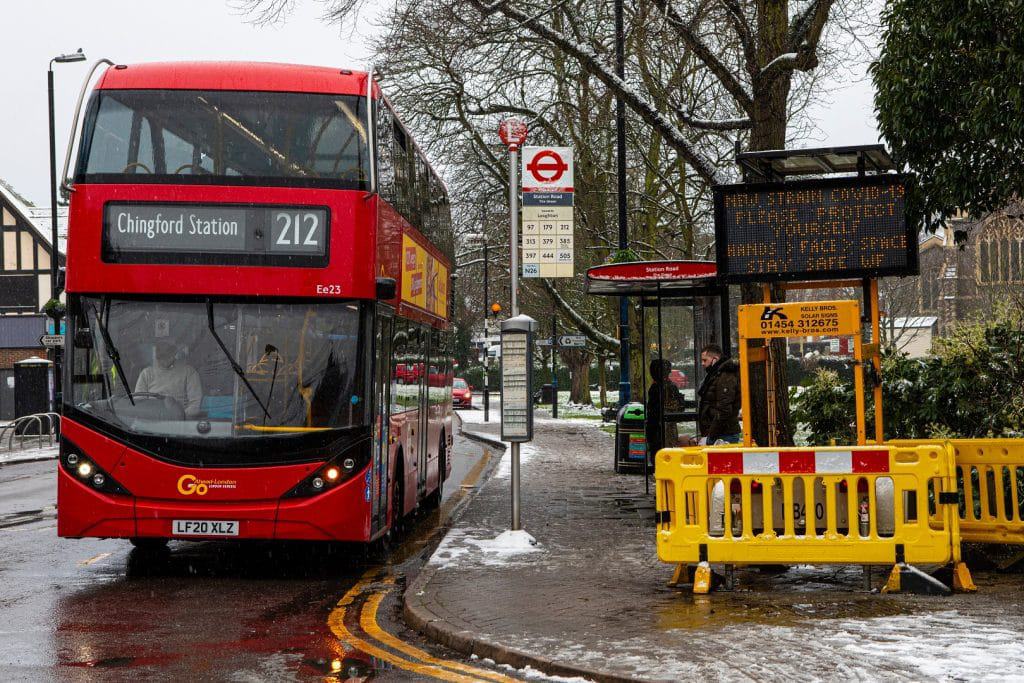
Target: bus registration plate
199,527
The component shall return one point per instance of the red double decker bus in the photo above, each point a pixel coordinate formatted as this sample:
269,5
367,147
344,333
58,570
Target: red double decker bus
253,250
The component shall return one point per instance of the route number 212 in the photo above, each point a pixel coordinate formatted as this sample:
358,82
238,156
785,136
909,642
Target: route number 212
294,226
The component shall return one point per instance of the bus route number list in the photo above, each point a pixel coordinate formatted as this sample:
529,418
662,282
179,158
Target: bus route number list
816,230
515,386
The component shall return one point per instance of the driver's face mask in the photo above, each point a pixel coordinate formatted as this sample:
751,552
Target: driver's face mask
163,356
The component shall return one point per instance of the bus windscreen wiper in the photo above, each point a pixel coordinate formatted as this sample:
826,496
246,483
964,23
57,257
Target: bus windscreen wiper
112,353
227,354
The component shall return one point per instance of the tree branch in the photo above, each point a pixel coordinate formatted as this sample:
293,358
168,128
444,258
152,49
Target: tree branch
704,53
589,62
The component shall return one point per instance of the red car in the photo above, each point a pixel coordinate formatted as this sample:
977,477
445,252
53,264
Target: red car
462,394
679,379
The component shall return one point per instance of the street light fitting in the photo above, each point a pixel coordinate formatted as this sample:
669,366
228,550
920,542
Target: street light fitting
71,57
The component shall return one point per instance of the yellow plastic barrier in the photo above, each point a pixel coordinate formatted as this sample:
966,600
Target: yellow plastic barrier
872,505
990,476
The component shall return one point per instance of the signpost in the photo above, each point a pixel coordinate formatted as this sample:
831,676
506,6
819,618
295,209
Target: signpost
548,212
572,341
517,393
52,341
520,328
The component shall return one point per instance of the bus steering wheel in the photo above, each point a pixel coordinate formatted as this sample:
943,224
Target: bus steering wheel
137,164
196,168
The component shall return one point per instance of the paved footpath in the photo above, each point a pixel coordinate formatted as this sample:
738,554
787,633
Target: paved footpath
590,599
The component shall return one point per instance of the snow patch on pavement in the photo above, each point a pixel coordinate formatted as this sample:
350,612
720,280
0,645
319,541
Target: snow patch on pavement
479,547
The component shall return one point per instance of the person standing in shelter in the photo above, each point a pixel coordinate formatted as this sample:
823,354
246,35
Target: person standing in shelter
170,377
719,399
663,399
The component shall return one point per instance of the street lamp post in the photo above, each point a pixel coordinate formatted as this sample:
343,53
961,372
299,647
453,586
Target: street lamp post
78,56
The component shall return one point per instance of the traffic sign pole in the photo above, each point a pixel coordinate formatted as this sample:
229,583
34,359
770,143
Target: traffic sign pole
513,134
554,371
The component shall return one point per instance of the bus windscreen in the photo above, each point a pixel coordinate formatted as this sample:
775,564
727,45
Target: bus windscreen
218,369
225,137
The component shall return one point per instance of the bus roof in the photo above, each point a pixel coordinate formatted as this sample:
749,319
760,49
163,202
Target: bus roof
255,76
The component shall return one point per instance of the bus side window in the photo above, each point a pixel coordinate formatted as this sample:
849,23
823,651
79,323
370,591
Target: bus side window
385,139
399,364
403,179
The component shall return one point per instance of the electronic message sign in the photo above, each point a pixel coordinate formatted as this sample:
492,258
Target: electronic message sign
814,230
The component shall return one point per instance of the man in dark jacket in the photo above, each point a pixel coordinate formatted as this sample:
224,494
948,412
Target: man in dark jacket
719,398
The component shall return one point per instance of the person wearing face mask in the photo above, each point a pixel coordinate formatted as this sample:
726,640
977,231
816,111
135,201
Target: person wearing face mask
170,377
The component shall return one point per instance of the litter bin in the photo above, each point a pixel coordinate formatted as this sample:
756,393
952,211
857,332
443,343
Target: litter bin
547,394
630,439
32,379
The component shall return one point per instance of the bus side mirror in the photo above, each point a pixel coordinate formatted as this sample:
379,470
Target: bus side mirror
386,288
61,281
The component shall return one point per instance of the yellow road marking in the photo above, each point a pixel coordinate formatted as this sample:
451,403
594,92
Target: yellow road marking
93,560
428,666
368,620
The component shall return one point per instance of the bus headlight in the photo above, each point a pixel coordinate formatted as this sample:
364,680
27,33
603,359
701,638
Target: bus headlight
344,466
76,463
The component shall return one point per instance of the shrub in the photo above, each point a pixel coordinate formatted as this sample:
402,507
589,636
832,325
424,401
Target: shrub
970,388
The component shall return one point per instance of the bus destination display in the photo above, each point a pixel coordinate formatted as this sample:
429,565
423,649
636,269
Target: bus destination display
194,233
814,230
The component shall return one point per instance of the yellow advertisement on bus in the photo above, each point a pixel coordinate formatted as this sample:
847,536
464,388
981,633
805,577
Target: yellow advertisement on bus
424,279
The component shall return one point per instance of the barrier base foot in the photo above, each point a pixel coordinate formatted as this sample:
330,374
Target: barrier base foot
702,579
905,577
962,578
682,575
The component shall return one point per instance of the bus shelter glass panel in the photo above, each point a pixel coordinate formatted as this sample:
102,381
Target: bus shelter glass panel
674,344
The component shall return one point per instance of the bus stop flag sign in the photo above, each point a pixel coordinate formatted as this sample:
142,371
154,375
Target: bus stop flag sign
548,212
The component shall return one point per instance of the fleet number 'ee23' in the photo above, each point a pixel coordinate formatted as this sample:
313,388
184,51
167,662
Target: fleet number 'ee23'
198,527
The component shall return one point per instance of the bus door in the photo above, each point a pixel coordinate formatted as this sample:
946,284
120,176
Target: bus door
423,428
381,417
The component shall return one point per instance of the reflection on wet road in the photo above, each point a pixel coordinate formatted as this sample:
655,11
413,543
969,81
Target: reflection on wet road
96,609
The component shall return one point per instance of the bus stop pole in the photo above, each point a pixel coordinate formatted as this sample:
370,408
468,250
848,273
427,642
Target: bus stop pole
554,371
513,203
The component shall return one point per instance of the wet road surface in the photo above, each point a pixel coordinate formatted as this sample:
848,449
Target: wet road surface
95,609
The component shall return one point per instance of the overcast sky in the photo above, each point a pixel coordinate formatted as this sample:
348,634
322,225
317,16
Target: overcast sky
130,31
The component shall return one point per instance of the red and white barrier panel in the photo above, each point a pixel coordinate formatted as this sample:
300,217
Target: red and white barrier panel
799,462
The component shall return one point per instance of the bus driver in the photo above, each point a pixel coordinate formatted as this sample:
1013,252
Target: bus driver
173,378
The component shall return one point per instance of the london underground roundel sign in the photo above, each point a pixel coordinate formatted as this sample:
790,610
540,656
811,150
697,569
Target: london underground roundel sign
547,169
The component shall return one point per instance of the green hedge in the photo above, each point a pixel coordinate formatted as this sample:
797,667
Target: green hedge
970,388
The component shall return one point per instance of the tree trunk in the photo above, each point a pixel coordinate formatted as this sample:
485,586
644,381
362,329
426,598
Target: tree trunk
602,378
769,132
578,362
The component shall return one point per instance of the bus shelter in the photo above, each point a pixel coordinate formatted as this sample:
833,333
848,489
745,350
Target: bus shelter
683,307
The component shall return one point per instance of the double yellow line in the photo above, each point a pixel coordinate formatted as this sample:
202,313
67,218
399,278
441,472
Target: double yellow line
384,646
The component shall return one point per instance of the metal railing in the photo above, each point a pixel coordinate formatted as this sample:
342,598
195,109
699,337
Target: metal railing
36,430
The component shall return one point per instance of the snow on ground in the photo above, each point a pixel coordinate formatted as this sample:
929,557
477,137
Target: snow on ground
481,547
23,454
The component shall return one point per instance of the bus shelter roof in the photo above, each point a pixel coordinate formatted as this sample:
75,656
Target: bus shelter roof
642,278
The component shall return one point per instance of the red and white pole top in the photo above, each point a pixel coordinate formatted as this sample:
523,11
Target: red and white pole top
513,133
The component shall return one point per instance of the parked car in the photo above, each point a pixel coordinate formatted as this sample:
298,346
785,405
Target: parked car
462,393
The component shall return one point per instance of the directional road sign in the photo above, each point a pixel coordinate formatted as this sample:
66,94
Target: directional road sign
572,340
51,341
